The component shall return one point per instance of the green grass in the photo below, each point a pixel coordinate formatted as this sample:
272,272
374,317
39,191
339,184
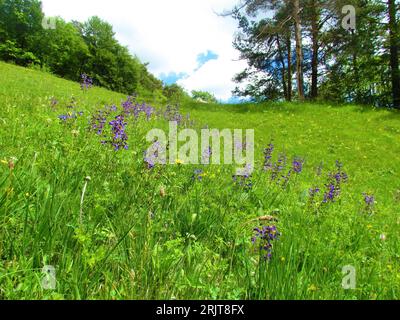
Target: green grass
194,241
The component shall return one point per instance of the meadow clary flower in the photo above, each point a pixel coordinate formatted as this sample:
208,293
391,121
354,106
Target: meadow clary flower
268,157
369,199
207,153
148,111
119,138
335,181
279,166
198,174
331,194
86,82
244,180
152,156
69,116
313,192
286,178
265,236
298,165
98,122
53,102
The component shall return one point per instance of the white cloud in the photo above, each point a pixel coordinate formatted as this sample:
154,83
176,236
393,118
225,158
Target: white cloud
169,35
215,76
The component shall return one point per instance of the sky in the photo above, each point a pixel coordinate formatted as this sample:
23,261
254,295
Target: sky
184,41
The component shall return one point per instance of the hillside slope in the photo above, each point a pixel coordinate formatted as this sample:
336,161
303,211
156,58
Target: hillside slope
114,227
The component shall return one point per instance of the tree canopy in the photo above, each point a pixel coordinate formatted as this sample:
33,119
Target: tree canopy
301,48
73,48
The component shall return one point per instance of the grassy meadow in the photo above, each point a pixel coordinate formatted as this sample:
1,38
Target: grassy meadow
183,231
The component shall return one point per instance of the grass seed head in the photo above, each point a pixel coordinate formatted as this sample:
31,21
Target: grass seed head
163,193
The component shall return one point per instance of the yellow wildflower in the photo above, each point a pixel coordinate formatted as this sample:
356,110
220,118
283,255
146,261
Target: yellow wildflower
312,288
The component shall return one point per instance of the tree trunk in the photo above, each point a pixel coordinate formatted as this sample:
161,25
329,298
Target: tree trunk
315,48
299,49
282,60
394,54
289,54
356,75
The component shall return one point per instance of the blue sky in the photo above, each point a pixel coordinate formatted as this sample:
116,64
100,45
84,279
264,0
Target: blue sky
173,77
184,41
202,59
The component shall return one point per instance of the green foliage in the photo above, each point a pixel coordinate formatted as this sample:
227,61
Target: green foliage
174,93
10,52
63,50
348,66
204,96
360,60
21,21
73,48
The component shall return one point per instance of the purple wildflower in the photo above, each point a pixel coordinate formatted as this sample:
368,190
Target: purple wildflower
198,174
207,153
128,105
339,177
265,237
150,160
134,109
152,156
268,157
70,116
339,165
244,180
239,146
86,82
335,181
369,200
148,111
285,179
298,165
173,114
98,122
72,103
53,103
331,194
278,167
63,117
120,138
313,192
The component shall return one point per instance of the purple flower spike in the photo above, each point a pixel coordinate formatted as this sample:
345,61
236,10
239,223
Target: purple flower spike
268,157
86,82
265,237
